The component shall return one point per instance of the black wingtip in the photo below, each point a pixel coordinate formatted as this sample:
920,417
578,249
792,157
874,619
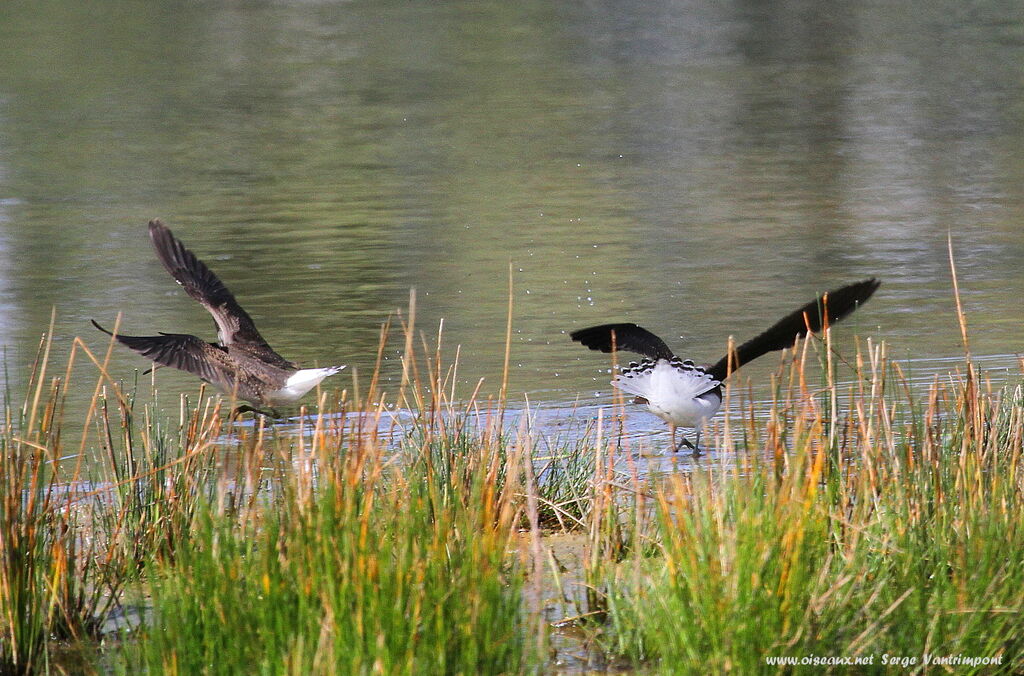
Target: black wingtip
163,241
868,286
583,336
96,324
628,337
601,338
844,300
825,310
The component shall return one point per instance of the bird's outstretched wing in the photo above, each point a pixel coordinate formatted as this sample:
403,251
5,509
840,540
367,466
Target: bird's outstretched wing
629,337
181,351
234,325
824,310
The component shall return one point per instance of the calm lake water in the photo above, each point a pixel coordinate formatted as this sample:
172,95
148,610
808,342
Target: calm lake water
699,168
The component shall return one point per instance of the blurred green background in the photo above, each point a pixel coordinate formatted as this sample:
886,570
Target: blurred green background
699,168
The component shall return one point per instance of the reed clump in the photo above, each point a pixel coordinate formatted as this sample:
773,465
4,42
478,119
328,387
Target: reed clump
363,536
849,516
55,586
358,568
866,522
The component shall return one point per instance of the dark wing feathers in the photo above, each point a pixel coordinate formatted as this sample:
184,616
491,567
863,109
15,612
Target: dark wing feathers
198,280
234,325
629,337
181,351
835,305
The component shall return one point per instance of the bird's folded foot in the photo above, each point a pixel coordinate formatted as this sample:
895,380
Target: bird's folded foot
245,408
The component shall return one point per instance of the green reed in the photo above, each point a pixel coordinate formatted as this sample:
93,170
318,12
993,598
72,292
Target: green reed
54,586
862,523
854,516
361,557
374,571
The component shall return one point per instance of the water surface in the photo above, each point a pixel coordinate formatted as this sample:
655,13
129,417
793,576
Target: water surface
698,168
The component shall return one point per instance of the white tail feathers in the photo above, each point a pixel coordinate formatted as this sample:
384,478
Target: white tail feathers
657,380
300,382
676,391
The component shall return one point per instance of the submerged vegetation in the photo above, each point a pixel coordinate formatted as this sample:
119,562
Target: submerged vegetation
851,517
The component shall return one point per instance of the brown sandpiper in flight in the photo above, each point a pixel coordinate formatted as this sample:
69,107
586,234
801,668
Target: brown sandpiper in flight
241,363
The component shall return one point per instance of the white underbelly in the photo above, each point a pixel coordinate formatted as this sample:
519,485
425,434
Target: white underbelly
689,412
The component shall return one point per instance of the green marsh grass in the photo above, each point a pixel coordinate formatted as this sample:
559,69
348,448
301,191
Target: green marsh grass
158,477
362,555
377,572
54,586
363,560
406,531
860,522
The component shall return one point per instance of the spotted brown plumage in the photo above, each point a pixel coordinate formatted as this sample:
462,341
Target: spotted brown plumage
242,363
234,325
